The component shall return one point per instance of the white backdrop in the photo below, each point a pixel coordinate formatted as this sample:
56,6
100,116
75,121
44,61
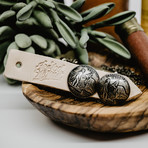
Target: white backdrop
23,126
136,6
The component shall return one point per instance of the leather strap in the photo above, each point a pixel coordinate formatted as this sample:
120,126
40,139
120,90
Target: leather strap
46,71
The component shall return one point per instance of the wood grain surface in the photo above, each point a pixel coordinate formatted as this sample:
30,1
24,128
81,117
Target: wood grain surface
90,114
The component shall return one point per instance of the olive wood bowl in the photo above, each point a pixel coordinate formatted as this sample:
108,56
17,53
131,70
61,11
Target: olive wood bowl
90,113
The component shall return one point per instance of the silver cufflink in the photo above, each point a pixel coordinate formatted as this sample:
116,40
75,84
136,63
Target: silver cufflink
113,89
83,81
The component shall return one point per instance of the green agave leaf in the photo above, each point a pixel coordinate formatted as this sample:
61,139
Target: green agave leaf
39,41
18,6
29,22
120,18
66,33
6,32
82,55
28,1
3,49
84,37
54,15
53,33
115,20
1,67
5,60
51,48
30,50
97,34
23,41
77,4
26,11
11,81
48,4
110,37
7,14
96,13
115,46
69,12
58,51
7,2
110,6
42,18
13,45
33,3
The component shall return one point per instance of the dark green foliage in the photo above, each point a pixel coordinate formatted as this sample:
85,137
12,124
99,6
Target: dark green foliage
36,25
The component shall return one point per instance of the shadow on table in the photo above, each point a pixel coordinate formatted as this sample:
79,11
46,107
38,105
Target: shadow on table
97,135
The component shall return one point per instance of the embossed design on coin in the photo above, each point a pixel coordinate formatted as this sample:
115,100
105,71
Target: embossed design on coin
113,89
82,81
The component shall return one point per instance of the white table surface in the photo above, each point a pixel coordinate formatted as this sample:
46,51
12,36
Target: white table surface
21,125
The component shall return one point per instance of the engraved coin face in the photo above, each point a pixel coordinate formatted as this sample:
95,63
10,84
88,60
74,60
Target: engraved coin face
113,89
82,81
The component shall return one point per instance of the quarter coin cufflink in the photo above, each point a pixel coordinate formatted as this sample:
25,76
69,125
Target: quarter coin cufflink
113,89
82,81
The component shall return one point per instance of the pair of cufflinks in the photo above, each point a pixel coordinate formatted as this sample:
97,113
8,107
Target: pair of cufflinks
84,81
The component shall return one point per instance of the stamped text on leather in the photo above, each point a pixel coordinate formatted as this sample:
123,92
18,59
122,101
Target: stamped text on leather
49,71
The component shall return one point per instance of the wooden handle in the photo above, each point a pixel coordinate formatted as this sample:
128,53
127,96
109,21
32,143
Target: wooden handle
137,43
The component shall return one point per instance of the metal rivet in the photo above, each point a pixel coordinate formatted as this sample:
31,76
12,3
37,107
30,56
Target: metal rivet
113,89
82,81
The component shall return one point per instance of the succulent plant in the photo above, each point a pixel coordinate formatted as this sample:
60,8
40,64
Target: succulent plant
36,26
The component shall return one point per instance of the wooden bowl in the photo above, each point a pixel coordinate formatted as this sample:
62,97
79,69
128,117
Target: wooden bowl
90,113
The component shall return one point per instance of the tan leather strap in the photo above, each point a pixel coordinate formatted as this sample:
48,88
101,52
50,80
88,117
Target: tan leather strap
46,71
